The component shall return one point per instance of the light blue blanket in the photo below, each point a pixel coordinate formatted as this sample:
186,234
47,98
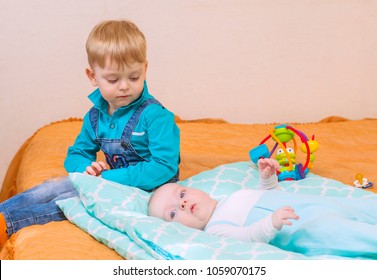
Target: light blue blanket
116,215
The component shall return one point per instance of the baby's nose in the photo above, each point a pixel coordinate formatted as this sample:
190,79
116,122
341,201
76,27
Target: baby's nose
183,204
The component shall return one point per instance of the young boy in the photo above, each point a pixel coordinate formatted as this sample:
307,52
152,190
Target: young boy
327,225
137,134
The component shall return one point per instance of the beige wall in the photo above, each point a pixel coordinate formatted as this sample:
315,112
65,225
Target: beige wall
246,61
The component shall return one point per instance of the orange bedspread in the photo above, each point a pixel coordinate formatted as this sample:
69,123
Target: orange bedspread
346,148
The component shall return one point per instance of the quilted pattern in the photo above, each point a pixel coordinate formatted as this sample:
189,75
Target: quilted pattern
116,215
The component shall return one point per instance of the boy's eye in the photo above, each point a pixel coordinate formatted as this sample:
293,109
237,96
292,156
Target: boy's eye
112,81
183,193
134,79
172,214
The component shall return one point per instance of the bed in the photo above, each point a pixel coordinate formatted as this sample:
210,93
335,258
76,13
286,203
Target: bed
347,147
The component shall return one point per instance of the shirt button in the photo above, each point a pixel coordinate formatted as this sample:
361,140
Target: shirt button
112,125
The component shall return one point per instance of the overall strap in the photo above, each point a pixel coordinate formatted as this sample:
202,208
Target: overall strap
129,128
93,117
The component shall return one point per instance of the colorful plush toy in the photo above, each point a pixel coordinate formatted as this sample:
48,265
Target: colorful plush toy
284,135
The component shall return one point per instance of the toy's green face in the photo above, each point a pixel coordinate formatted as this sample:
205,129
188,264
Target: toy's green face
282,158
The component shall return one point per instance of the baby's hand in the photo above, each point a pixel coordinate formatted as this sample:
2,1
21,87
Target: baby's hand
280,217
96,168
267,167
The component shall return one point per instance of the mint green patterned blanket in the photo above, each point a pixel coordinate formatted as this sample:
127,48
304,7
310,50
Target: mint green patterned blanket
116,215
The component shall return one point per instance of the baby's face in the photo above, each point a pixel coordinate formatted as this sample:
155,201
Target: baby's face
188,206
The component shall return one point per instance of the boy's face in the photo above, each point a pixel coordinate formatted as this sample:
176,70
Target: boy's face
188,206
119,87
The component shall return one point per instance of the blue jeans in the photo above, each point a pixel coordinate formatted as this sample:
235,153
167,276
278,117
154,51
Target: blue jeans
37,205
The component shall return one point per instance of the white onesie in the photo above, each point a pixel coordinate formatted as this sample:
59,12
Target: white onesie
231,215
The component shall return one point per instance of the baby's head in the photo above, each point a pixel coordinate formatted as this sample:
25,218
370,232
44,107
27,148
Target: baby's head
119,41
188,206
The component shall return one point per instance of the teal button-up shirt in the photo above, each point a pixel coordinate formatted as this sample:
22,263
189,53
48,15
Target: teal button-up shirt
156,138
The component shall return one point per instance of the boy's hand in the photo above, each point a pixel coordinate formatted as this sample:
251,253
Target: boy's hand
96,168
280,217
267,167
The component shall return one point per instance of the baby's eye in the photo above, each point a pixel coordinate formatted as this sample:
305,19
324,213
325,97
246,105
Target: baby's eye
112,81
172,214
183,193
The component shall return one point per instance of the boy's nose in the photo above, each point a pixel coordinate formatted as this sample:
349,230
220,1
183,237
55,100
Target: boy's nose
123,85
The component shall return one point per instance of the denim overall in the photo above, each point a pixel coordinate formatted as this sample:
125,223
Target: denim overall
37,205
120,153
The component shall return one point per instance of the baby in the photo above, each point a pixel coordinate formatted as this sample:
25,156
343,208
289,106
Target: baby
195,208
327,225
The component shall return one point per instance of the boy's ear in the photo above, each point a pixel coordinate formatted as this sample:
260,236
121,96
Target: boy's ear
146,68
90,74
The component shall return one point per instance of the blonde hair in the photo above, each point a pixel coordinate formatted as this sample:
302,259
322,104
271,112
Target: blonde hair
121,41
